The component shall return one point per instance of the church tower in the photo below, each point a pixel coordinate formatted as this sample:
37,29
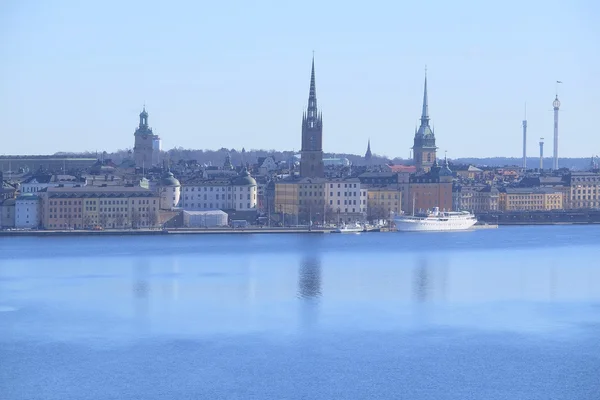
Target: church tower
368,154
424,148
311,153
147,145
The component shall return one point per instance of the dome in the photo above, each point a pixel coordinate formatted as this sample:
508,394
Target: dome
169,179
244,179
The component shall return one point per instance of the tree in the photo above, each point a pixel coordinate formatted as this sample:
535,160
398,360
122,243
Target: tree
120,220
152,219
329,214
87,222
136,219
103,220
69,220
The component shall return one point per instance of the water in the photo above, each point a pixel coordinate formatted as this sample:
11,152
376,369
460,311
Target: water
512,313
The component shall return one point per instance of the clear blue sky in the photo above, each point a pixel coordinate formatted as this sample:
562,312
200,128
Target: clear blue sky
75,74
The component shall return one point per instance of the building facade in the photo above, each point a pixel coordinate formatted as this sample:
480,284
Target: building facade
383,202
287,200
311,200
147,145
27,211
7,213
169,190
311,153
110,207
346,199
530,199
238,194
584,190
424,148
431,189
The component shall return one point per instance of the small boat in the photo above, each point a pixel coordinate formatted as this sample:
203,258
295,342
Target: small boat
352,228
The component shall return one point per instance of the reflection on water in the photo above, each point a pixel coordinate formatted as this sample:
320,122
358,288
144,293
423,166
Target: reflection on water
421,282
309,277
309,290
325,316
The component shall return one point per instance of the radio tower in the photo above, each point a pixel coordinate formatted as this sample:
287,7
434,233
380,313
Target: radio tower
525,140
541,154
556,105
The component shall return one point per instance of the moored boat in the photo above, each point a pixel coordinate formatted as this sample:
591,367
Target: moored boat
435,220
352,228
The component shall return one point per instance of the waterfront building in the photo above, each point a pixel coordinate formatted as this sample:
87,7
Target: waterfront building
311,200
169,190
528,199
286,204
205,219
27,211
431,189
7,213
424,148
346,199
584,189
106,207
383,201
311,153
238,193
147,145
476,198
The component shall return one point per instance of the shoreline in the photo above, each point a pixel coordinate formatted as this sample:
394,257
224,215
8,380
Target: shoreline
239,231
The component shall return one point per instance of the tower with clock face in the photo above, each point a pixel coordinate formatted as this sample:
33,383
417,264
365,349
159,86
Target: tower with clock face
424,148
311,153
147,145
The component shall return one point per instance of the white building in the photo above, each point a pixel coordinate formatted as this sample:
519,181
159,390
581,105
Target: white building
346,198
169,190
205,219
27,211
238,193
41,181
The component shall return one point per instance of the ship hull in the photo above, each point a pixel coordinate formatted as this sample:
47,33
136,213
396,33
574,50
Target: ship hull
434,225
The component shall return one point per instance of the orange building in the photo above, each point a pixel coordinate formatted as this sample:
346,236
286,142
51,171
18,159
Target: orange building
431,189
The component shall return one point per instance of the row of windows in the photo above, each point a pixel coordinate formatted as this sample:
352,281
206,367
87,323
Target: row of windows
66,209
216,188
216,205
348,202
222,197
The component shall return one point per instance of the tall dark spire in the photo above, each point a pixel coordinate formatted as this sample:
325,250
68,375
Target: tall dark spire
311,162
312,92
425,112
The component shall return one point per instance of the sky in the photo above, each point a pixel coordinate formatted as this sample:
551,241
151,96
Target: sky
75,74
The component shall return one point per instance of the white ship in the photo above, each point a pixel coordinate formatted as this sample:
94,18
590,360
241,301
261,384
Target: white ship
354,228
435,220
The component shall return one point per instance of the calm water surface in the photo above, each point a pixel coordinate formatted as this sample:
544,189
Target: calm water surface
512,313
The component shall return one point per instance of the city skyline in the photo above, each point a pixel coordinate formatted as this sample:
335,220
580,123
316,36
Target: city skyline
84,92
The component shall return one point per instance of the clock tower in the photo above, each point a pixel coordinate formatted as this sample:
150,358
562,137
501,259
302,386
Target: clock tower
311,153
146,150
424,149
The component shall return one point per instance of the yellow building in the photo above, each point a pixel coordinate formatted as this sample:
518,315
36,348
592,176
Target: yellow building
106,207
382,201
311,200
528,199
287,198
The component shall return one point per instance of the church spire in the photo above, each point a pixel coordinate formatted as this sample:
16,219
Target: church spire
425,112
312,93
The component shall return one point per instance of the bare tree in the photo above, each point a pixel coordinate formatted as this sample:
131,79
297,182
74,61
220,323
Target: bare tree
69,220
136,219
329,214
152,218
87,222
103,220
120,220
